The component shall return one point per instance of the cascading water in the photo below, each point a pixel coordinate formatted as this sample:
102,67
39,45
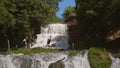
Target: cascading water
115,62
79,61
5,61
48,60
30,61
58,33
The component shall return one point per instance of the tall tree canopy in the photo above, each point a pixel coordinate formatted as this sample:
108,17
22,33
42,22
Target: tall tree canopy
24,17
97,19
69,11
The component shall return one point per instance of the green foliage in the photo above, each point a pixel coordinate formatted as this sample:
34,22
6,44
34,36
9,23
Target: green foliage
69,11
97,19
99,58
32,51
6,19
73,53
20,18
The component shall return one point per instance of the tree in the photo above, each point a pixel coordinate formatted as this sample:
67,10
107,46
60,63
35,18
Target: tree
19,18
6,24
69,11
97,19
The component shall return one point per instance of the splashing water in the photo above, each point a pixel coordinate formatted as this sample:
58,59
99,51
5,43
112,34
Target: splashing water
5,61
115,62
45,60
50,60
79,61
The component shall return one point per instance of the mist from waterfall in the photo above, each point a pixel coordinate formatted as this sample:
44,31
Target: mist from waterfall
58,33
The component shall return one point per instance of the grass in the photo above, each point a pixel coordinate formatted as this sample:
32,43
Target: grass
32,51
99,58
73,53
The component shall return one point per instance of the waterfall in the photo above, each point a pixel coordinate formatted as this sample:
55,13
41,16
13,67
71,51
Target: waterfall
79,61
115,62
48,60
58,33
5,61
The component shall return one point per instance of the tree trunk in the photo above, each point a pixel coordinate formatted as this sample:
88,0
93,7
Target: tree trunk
8,42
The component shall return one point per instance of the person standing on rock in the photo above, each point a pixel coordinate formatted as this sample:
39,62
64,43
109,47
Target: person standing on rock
25,40
48,41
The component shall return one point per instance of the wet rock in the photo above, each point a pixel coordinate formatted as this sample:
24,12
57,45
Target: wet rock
57,64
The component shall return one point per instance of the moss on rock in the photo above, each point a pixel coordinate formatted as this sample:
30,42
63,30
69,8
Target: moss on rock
99,58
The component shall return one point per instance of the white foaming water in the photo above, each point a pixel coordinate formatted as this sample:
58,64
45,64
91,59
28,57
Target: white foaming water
79,61
58,33
5,61
45,60
54,29
30,61
115,62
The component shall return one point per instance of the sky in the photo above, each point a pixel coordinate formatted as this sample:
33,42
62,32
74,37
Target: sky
63,5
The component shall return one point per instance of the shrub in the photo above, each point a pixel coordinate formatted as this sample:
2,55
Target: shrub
99,58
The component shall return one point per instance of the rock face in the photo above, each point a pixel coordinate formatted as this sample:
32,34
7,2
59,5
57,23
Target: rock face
57,64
